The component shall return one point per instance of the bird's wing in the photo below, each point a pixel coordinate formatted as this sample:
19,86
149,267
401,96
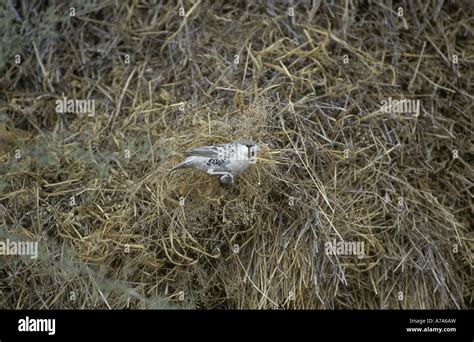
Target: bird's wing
209,151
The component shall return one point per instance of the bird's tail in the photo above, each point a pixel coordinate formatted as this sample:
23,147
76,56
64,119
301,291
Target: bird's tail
182,165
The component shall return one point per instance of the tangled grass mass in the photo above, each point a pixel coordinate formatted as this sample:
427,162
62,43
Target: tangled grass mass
361,196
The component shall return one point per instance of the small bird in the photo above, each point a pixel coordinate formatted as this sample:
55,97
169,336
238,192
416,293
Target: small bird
223,160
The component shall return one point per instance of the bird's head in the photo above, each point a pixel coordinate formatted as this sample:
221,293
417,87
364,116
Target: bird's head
249,143
252,148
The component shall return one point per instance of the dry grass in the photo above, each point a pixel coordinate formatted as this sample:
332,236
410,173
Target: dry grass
332,164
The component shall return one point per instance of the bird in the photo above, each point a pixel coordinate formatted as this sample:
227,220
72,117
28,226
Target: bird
223,160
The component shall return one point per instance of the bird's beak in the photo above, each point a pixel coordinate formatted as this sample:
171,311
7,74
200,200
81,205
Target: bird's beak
253,153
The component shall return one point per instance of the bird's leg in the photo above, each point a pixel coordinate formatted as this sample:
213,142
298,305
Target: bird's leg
211,172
